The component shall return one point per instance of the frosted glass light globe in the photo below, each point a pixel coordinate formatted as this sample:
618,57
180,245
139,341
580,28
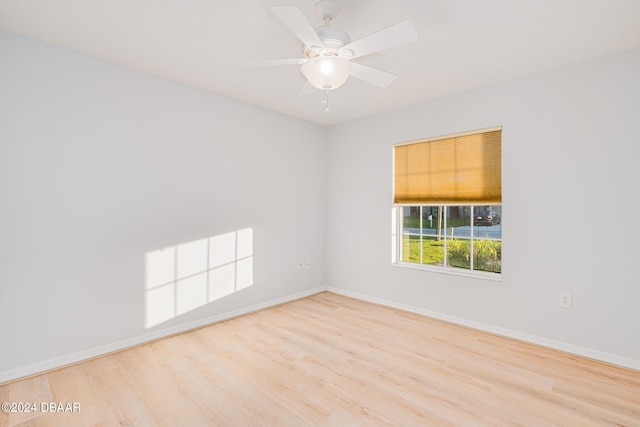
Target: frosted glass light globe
326,72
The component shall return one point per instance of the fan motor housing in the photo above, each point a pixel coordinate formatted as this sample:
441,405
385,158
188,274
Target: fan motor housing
333,39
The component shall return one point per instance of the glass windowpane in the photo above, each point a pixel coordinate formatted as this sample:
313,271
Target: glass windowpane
487,222
410,248
432,250
458,253
458,221
487,255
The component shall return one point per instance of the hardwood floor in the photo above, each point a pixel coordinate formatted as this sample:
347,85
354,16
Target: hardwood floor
328,360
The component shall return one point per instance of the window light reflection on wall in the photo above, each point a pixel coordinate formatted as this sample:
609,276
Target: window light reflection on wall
181,278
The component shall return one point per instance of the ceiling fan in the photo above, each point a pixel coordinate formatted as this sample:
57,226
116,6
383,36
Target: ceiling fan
328,50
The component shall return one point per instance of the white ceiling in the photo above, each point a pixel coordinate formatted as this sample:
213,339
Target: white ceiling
462,44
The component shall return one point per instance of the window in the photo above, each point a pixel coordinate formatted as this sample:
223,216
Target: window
446,236
448,203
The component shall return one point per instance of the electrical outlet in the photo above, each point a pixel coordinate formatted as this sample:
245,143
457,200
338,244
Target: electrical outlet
566,300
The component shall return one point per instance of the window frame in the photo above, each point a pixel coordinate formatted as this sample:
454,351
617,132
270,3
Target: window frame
399,204
397,243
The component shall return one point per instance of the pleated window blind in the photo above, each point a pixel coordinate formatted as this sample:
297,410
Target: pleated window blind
460,169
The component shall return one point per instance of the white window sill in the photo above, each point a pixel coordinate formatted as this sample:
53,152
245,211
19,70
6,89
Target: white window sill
495,277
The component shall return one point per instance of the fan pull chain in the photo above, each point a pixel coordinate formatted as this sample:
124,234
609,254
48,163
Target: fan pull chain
325,100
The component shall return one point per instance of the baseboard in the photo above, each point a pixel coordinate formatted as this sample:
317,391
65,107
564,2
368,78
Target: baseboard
556,345
60,362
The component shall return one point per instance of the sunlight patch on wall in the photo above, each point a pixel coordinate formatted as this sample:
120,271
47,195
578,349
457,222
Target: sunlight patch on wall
181,278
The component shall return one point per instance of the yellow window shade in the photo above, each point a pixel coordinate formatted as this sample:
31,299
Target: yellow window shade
465,168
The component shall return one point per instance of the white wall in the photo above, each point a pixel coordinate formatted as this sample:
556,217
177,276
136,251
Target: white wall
100,164
570,208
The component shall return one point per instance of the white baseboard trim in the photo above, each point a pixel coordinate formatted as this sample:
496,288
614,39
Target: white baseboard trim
556,345
60,362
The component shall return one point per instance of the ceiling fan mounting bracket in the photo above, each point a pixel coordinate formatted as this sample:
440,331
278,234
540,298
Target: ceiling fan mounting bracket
327,10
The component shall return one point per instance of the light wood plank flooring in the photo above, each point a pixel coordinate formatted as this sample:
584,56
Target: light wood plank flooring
328,360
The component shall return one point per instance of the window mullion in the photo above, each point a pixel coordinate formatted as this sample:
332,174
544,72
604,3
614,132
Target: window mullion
399,231
471,239
444,234
420,213
400,237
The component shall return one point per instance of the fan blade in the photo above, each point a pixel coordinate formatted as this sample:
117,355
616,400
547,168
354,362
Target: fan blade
298,24
392,36
270,62
372,75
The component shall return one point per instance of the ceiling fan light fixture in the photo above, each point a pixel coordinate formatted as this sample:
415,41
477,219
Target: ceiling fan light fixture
326,72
